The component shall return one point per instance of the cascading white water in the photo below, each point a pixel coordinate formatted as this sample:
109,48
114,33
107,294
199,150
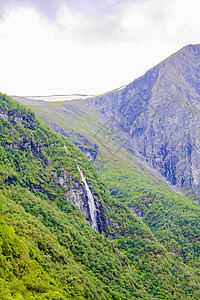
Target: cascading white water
92,207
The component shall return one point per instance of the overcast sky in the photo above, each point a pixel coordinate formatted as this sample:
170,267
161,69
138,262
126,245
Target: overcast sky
88,46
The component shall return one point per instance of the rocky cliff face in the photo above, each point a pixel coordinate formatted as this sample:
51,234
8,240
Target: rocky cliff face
160,112
77,195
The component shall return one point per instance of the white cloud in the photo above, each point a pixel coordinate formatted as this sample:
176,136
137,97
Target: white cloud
88,50
184,21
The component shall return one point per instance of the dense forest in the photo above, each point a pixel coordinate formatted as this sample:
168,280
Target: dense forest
48,250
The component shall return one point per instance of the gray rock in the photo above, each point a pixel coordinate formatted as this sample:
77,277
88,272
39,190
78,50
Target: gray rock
160,112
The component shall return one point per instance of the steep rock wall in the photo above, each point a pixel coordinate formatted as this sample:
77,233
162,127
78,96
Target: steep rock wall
160,112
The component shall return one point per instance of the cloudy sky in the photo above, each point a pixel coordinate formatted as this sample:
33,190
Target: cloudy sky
88,46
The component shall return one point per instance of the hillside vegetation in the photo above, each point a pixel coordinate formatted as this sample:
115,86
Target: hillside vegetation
48,250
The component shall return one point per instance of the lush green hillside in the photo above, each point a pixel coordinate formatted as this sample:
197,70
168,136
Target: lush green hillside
49,250
173,219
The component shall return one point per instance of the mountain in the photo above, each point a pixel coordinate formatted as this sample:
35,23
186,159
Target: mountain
160,112
143,139
48,247
64,236
155,119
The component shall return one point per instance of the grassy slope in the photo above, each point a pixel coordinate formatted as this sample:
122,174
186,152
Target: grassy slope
69,256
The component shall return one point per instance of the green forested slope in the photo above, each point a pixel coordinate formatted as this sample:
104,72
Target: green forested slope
173,219
47,248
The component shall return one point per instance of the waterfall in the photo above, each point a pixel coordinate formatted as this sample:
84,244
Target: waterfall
92,207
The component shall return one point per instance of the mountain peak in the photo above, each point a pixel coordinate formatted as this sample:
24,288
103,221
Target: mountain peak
186,53
190,48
